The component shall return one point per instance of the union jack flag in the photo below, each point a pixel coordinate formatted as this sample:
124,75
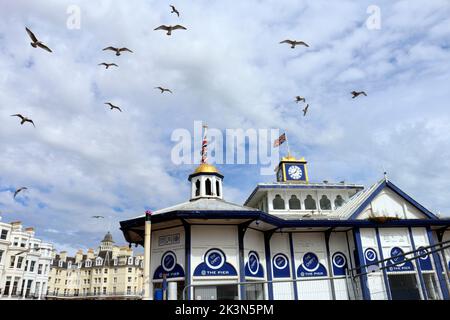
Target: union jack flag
280,140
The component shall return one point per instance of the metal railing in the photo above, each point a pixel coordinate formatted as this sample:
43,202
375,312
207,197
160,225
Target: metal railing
382,281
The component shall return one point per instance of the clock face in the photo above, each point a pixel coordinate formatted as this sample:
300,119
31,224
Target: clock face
295,172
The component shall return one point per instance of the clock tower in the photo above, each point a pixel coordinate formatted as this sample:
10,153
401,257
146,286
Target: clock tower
291,169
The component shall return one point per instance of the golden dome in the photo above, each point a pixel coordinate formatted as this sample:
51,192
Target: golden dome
206,168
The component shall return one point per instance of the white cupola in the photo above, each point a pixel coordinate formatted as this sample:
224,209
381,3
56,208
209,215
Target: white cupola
206,182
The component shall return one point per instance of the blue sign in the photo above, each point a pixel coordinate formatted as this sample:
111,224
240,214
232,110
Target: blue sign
169,267
425,261
214,264
397,258
311,267
253,268
339,264
371,256
281,267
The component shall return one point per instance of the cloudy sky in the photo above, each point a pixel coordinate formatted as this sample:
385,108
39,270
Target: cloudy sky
229,70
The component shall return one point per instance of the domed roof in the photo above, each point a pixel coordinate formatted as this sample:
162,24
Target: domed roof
206,168
108,237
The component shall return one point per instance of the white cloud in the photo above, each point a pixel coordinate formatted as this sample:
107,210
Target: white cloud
229,70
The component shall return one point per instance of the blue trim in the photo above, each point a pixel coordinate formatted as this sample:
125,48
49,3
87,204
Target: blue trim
419,268
439,271
363,278
293,269
241,233
385,277
366,202
418,206
329,263
187,249
267,237
279,222
399,192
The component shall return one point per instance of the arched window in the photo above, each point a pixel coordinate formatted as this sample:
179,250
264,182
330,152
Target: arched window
278,203
338,202
197,188
218,188
294,203
310,203
208,187
325,203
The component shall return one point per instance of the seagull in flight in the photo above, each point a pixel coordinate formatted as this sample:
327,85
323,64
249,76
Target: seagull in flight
294,43
163,89
107,65
18,190
174,10
118,50
357,93
24,119
305,110
36,43
98,217
169,29
113,106
299,99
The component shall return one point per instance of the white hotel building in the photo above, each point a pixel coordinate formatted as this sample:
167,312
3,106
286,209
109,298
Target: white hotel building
295,239
24,263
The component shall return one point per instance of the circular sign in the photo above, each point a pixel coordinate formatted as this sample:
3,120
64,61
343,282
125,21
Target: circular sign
310,262
253,262
215,259
370,254
421,251
280,261
339,260
168,261
397,256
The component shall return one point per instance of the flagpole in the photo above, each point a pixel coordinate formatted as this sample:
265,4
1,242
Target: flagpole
204,144
287,143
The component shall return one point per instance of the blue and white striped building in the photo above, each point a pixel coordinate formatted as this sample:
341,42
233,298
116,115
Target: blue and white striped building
294,239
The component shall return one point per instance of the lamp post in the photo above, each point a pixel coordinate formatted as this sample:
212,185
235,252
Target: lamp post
147,285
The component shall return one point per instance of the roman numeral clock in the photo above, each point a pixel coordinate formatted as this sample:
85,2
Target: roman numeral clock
291,169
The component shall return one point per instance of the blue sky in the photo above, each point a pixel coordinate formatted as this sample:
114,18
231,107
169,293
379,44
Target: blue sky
229,70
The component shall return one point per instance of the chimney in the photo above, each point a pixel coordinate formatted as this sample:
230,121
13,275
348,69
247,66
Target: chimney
63,256
90,254
16,225
79,256
30,231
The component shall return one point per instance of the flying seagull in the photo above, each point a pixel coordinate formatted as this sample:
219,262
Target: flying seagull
305,110
117,50
294,43
18,190
36,42
107,65
24,119
174,10
163,89
113,106
170,28
299,99
355,94
97,217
